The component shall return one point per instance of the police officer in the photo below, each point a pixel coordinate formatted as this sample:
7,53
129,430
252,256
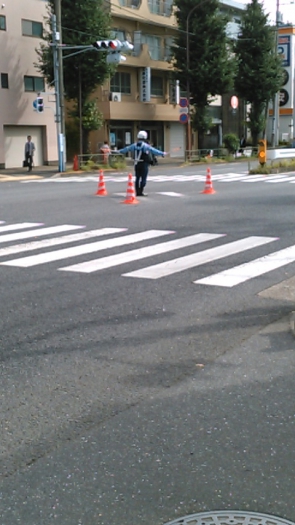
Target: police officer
142,160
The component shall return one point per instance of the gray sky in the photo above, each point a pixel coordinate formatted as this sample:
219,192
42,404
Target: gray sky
286,7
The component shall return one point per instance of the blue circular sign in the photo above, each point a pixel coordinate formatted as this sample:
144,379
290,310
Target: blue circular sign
183,118
183,102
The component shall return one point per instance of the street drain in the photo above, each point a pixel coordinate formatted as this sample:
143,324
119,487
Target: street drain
230,517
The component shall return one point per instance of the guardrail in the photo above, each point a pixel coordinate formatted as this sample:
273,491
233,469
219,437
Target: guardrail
280,153
99,159
219,153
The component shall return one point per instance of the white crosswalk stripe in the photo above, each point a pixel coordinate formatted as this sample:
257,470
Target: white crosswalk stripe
244,272
21,226
196,259
49,243
184,177
42,258
141,253
38,233
228,277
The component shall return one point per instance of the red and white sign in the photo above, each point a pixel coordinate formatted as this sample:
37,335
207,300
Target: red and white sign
234,102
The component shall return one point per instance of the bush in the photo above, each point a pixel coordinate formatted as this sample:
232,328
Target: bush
231,142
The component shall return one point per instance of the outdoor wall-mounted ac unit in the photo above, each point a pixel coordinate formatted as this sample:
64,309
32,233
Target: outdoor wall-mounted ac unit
116,97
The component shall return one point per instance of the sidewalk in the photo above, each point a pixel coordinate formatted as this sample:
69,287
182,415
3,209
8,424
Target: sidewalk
38,172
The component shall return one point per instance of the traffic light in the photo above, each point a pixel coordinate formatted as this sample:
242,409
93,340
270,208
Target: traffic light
114,48
40,104
262,151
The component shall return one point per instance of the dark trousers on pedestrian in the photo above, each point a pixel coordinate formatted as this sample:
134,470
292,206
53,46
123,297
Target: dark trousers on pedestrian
141,173
29,159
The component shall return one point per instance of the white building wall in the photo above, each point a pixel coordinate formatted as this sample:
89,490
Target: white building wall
18,56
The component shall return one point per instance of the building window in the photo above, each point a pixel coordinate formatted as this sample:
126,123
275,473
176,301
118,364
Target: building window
121,83
4,80
118,34
35,84
30,28
156,86
134,4
154,43
3,23
160,7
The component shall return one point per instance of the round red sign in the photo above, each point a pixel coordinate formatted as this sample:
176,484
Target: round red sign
234,102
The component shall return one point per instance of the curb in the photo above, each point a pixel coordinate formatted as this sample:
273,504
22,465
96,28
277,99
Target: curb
292,323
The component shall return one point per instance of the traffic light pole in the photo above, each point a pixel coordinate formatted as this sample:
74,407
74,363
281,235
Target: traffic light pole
60,135
60,76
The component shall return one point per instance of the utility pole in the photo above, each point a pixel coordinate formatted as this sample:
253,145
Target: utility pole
60,75
276,107
60,136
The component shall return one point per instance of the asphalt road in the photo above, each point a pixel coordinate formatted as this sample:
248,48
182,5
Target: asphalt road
136,400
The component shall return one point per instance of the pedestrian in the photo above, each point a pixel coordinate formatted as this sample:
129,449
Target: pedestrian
243,144
29,152
143,158
105,150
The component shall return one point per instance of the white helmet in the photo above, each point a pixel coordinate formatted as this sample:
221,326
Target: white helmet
142,135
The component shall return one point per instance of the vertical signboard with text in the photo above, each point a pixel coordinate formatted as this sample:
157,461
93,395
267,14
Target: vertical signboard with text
145,84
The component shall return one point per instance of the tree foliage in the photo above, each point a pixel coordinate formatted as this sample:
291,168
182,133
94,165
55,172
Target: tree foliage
82,24
259,69
208,66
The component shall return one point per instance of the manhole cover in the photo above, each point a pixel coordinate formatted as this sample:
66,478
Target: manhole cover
230,517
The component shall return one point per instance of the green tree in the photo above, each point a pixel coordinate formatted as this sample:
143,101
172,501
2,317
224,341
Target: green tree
210,67
92,119
82,24
259,70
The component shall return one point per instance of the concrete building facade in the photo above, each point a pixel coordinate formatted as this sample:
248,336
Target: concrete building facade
21,29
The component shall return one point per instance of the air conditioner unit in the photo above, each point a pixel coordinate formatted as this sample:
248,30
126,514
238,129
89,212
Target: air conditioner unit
116,97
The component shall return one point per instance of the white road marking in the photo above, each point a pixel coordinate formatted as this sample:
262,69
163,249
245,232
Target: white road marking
48,243
281,179
244,272
38,233
197,259
21,226
170,193
65,253
140,253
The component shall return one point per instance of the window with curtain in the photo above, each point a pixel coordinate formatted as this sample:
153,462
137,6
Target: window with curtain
160,7
121,83
157,86
154,44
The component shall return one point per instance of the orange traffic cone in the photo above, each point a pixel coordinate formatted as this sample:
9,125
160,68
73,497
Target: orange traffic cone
76,163
130,194
208,184
101,189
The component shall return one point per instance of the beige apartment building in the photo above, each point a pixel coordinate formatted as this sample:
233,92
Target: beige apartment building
142,94
21,27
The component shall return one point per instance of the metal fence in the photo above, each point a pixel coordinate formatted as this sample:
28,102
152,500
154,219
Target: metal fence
97,160
219,153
